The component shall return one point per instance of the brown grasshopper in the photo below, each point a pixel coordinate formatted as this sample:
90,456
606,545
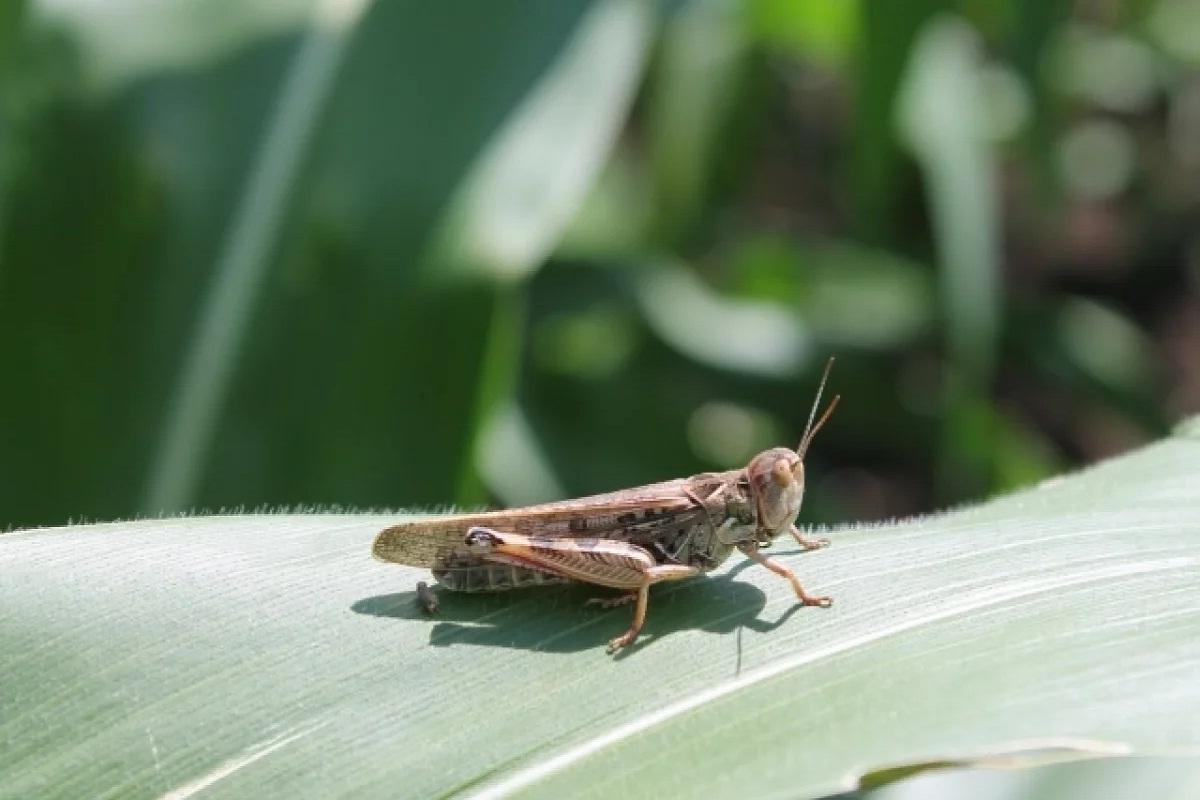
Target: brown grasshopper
625,540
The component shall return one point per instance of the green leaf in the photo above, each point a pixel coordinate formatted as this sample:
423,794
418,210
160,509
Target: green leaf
885,41
824,32
262,654
240,272
127,40
941,116
535,174
152,179
1173,778
750,336
943,119
697,81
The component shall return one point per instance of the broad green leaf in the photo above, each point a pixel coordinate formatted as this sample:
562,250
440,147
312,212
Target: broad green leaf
256,654
239,274
152,178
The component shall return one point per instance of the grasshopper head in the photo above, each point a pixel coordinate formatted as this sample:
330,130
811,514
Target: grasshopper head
777,475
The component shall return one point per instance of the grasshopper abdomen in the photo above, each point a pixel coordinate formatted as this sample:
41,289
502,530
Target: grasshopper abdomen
468,574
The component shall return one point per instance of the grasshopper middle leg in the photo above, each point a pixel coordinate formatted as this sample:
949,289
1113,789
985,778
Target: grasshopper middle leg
605,562
652,575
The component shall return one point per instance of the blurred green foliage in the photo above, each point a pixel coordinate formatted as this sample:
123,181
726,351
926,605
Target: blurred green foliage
412,254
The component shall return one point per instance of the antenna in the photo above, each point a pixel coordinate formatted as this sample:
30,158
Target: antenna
810,431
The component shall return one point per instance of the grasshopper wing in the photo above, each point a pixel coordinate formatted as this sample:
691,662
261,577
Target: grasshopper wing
640,515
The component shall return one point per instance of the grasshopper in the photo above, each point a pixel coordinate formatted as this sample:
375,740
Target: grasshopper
626,540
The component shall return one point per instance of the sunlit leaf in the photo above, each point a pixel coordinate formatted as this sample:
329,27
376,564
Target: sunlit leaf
942,118
268,654
535,174
126,39
756,337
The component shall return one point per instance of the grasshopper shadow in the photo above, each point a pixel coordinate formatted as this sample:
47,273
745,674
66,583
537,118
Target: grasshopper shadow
557,620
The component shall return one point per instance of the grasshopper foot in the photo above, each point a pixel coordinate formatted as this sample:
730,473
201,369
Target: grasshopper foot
624,640
819,601
611,602
807,543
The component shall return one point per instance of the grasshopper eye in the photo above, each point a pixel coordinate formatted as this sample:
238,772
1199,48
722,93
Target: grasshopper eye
781,473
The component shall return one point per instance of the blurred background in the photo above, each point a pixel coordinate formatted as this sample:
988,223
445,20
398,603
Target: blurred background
318,253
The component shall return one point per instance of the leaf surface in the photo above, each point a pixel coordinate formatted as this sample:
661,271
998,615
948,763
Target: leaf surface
270,654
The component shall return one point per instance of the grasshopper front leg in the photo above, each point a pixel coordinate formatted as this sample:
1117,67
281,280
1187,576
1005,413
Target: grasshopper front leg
604,562
804,541
751,549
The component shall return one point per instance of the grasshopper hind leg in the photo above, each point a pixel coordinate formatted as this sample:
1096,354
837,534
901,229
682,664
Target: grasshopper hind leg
603,562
